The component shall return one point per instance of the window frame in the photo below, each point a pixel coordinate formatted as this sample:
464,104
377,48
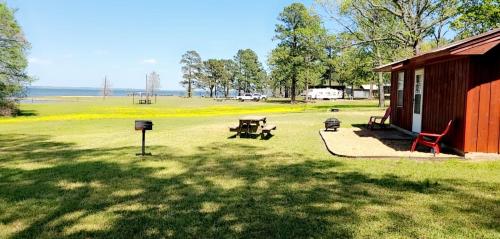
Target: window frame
400,89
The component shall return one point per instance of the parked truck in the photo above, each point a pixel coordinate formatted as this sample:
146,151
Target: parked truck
251,96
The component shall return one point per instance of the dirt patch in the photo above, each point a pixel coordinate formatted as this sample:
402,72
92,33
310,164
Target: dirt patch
361,143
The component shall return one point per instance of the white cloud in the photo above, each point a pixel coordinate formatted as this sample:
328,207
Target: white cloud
39,61
150,61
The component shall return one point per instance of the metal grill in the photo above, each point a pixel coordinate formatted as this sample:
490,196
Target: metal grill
332,123
143,125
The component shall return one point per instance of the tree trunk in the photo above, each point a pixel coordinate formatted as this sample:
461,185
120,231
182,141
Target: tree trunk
215,89
307,90
343,90
370,95
381,95
292,90
330,80
352,91
211,91
190,92
416,48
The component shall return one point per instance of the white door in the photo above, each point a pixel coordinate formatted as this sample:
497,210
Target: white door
418,93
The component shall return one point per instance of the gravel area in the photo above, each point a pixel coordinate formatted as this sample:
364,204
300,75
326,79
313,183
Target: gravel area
361,143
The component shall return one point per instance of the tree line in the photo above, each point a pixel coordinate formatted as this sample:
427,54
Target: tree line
368,33
244,73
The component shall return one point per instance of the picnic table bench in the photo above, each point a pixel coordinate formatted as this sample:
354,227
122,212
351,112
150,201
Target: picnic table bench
252,124
144,101
267,129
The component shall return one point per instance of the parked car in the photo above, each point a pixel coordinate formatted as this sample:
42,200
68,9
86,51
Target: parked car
250,96
257,96
324,93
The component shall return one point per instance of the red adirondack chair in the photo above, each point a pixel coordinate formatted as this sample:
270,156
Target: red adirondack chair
373,119
431,140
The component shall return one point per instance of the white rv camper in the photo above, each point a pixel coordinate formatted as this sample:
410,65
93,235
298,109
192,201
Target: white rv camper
324,94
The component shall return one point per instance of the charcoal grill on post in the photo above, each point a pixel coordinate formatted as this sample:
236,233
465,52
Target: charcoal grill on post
332,123
143,125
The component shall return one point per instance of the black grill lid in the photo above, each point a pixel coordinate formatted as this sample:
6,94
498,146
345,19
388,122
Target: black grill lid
143,124
332,120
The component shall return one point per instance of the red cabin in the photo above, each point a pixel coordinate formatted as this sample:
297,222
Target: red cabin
459,82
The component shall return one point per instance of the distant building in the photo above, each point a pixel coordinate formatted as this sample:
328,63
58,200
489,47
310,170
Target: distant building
363,91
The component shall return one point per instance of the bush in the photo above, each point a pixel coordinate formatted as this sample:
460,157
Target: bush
8,108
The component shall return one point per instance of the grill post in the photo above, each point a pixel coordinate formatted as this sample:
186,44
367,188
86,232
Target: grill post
143,142
143,125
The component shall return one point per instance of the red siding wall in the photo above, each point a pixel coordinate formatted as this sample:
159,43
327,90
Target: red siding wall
445,89
402,116
483,104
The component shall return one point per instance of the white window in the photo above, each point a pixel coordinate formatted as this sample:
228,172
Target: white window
401,84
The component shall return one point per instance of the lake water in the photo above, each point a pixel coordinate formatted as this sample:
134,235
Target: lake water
67,91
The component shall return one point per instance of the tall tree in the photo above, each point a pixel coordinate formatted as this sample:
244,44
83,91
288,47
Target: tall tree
280,70
406,22
153,84
417,19
13,62
192,69
476,16
367,27
228,76
301,33
446,14
312,67
106,88
331,50
310,73
214,73
354,66
250,73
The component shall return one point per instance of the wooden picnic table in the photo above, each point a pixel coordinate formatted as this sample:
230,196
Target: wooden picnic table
246,123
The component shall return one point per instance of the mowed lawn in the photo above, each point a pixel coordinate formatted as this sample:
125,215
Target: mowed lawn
68,169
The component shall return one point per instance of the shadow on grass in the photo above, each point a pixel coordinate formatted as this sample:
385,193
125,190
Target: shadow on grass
27,113
48,189
278,101
252,136
344,106
21,112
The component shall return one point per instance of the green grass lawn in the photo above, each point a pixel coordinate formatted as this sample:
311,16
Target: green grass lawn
68,170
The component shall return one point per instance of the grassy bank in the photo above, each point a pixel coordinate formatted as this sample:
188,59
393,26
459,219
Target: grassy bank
65,174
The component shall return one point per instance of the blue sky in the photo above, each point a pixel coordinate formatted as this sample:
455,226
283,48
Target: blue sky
77,43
